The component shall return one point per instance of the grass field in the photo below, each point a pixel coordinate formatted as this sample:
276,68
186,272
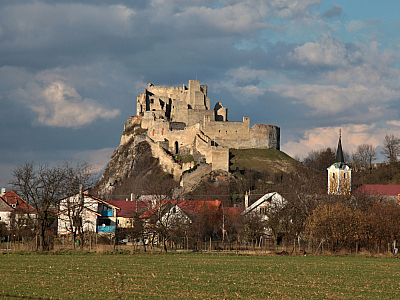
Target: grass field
197,276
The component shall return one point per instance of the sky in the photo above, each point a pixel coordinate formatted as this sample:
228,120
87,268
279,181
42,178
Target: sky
70,70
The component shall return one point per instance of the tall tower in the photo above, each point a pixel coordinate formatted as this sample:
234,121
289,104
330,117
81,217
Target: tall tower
339,174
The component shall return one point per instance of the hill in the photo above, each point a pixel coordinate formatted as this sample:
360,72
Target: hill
262,160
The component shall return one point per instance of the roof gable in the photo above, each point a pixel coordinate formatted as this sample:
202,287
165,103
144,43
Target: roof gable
274,198
4,206
16,202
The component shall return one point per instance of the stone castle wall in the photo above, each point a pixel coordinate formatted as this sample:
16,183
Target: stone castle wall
181,118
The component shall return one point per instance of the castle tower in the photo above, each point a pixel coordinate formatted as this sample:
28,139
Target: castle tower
339,174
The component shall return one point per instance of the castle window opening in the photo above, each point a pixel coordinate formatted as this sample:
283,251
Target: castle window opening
333,175
176,148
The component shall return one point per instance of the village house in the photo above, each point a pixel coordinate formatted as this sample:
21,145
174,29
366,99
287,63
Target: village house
88,212
128,210
15,212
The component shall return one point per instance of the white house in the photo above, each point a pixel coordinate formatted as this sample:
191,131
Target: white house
264,204
91,213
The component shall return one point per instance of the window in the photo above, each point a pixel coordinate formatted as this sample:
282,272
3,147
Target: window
344,175
333,175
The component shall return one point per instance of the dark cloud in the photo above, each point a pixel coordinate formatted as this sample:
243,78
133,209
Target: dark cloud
335,11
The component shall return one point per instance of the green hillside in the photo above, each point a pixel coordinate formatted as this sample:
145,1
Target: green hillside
273,161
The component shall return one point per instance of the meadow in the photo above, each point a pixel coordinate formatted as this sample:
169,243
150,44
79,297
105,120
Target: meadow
197,276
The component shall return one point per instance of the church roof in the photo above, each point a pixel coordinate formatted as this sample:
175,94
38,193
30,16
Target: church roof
339,152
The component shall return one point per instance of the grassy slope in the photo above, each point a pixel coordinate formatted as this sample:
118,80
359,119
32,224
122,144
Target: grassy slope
197,276
262,160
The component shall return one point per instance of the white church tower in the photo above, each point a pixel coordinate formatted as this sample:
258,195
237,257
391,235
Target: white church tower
339,174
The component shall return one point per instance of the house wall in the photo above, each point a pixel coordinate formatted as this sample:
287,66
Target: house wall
5,217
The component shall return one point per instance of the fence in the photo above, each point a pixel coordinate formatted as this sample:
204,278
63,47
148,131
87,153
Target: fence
107,242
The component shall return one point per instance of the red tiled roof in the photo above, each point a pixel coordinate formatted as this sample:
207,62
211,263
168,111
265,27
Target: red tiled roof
148,213
13,199
128,208
193,207
233,210
378,189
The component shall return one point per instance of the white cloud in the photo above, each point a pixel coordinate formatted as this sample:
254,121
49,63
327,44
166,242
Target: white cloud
58,104
355,25
352,136
328,52
237,18
394,123
292,8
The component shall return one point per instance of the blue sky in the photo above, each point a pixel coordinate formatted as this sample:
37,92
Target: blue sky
70,70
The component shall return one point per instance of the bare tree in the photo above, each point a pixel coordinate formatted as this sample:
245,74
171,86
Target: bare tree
77,179
365,155
254,227
391,147
321,159
42,186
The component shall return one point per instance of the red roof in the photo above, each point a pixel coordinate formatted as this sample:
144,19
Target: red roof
148,213
232,211
378,189
193,207
128,208
16,201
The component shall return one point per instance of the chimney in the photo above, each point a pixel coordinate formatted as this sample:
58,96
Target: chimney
3,191
246,201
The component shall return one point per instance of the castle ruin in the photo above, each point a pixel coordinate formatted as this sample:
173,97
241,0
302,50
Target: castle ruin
180,121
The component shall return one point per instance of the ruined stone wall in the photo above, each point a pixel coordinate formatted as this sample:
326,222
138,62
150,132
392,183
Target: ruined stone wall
220,158
265,136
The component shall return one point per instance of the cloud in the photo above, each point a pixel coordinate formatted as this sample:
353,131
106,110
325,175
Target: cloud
322,137
59,104
98,159
332,99
327,52
335,11
292,8
355,25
